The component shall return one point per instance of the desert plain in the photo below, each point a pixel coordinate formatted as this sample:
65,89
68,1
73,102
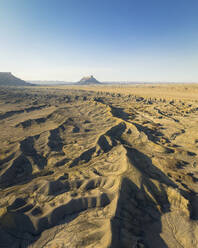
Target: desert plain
99,166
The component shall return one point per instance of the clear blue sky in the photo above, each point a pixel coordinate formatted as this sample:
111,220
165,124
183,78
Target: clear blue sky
134,40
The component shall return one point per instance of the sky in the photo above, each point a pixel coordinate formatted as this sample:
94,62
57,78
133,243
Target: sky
114,40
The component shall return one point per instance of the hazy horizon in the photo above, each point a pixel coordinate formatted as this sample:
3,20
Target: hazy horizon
151,41
109,82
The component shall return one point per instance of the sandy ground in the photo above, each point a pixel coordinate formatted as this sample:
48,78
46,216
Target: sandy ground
99,166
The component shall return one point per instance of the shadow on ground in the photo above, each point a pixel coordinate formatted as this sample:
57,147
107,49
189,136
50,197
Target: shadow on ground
137,221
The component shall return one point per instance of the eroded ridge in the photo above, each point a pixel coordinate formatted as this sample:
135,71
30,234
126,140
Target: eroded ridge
85,168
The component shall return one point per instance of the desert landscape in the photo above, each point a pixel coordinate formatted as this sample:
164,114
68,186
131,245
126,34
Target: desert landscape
99,166
98,124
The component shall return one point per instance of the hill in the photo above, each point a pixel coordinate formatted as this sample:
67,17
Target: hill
7,79
88,80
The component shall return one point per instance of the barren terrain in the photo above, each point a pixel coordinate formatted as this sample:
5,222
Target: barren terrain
99,166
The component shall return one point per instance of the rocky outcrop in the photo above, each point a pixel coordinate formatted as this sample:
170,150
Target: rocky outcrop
7,79
88,80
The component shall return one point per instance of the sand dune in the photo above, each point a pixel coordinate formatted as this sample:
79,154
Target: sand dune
98,167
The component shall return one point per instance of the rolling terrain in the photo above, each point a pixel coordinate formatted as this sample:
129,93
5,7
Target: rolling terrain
99,166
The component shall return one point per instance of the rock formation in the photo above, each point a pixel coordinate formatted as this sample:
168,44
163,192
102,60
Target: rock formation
7,79
88,80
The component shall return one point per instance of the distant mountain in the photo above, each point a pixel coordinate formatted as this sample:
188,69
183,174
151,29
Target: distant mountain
49,82
88,80
7,79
